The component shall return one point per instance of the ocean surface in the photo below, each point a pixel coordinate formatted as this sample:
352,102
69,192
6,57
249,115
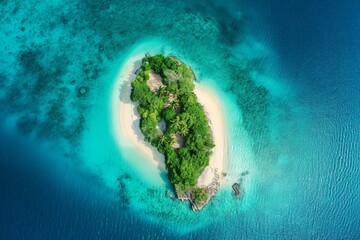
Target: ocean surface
288,76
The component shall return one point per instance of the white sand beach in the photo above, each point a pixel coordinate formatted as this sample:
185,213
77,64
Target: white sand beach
214,112
128,131
127,119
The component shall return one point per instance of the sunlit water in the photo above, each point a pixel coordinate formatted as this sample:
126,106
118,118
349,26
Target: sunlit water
286,74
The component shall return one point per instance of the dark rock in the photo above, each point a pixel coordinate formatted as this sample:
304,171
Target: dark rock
244,173
236,187
138,71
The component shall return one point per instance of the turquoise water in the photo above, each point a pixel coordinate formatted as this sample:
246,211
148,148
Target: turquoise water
145,190
289,90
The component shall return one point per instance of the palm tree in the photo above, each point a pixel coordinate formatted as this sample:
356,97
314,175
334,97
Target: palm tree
162,140
184,131
182,123
190,121
177,121
172,140
162,91
175,104
176,92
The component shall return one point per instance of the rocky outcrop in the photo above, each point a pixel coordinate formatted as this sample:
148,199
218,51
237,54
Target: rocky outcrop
238,192
210,190
137,71
236,188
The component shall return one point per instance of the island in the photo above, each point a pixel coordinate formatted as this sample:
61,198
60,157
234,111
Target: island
174,122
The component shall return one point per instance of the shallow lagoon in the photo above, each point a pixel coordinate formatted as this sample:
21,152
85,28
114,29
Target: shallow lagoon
297,135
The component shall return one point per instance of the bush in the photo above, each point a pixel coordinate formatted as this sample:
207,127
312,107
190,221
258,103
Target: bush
169,114
199,196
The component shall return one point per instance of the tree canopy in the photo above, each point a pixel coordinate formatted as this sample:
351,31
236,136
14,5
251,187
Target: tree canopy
177,105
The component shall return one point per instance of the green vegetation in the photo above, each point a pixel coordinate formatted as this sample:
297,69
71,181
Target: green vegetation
199,196
187,141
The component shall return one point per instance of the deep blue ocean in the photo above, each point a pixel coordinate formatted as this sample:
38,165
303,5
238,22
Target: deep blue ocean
287,73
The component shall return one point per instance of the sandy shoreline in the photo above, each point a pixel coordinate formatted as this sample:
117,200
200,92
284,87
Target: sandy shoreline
126,118
126,123
215,115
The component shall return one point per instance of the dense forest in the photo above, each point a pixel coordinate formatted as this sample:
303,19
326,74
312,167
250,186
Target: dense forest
173,121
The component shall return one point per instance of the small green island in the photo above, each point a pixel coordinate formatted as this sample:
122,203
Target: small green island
174,122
